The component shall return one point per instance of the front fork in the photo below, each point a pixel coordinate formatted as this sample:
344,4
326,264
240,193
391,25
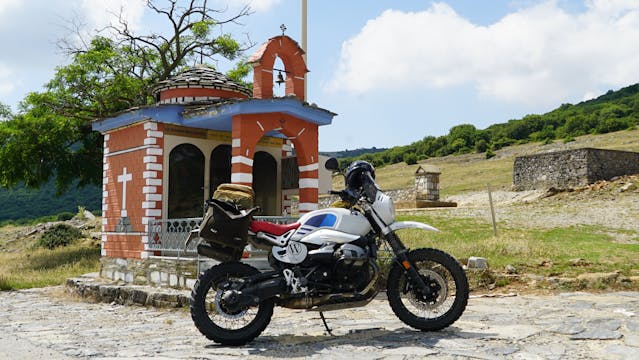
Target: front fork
401,256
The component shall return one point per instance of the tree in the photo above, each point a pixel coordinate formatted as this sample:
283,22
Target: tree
5,112
51,134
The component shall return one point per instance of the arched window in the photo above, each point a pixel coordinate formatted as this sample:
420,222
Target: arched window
220,167
186,182
265,182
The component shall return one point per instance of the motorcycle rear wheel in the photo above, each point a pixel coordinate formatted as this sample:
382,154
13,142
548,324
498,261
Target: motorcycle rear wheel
213,320
449,297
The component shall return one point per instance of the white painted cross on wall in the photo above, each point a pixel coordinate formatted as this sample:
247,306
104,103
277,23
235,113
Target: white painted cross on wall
124,178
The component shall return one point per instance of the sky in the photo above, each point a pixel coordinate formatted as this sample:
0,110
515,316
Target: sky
393,71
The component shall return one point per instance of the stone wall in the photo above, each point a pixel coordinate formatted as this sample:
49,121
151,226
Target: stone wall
571,168
167,272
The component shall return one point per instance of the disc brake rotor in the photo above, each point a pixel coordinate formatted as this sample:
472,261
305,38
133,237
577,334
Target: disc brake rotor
220,308
430,278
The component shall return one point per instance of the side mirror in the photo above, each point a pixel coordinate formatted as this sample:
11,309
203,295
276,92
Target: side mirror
332,164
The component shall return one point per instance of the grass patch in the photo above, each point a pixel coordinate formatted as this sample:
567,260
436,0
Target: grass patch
43,267
548,252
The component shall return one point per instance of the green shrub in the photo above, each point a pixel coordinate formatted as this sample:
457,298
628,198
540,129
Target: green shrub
410,158
64,216
490,153
59,235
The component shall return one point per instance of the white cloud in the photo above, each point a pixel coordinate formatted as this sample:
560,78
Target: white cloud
539,55
7,84
257,5
9,4
102,13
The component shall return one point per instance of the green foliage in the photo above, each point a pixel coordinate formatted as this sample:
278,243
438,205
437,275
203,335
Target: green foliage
5,112
51,135
22,205
614,111
64,216
410,158
59,235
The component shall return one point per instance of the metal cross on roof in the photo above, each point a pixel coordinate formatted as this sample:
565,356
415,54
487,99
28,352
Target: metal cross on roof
283,28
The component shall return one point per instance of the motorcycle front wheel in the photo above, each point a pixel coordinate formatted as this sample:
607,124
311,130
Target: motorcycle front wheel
448,285
211,316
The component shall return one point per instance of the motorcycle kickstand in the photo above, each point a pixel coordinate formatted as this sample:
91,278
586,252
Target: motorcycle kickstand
329,330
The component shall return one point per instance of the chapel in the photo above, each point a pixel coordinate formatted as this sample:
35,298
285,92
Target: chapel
164,160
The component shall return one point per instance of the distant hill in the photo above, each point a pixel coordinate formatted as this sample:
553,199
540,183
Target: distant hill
22,203
352,153
613,111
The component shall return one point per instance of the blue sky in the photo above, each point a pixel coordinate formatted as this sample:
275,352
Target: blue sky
393,71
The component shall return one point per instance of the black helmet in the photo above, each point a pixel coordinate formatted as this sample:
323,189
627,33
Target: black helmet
354,172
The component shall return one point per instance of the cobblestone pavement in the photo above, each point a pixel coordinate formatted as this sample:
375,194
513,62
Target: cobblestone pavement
46,324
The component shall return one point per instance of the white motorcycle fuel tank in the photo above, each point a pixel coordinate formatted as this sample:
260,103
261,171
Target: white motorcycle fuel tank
331,225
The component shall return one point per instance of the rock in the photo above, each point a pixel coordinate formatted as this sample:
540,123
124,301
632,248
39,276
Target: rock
477,263
511,269
628,187
596,334
88,215
578,262
599,278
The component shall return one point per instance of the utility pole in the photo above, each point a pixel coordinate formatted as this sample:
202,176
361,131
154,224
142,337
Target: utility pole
304,47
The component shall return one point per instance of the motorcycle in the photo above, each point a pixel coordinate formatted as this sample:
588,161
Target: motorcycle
327,260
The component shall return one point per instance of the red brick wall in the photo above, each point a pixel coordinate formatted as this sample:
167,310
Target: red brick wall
139,149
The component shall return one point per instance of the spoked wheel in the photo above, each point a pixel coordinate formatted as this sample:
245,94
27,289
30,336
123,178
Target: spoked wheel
216,315
448,296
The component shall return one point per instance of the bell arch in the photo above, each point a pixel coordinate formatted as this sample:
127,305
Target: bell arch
289,51
249,128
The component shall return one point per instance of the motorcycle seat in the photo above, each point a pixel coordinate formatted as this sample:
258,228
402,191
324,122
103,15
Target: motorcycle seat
271,228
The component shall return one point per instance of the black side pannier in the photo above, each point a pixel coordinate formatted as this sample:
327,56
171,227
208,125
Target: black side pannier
224,230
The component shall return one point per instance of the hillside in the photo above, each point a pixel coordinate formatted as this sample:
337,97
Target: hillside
22,203
613,111
471,172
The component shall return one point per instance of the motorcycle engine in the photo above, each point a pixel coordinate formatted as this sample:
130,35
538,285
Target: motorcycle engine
351,271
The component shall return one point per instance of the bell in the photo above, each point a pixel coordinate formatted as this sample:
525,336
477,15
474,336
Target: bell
280,78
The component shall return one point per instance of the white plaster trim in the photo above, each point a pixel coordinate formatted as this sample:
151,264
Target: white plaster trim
105,194
154,182
242,178
149,190
301,131
153,197
150,159
127,151
299,78
154,134
242,160
150,141
153,212
309,167
145,239
107,137
307,206
306,183
260,125
150,126
154,151
106,151
156,167
236,143
124,213
148,205
105,221
105,166
149,175
145,254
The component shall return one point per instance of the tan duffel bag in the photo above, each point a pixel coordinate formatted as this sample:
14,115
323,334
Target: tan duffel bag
241,195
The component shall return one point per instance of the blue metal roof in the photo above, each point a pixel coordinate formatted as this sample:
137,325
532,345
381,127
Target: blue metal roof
215,116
